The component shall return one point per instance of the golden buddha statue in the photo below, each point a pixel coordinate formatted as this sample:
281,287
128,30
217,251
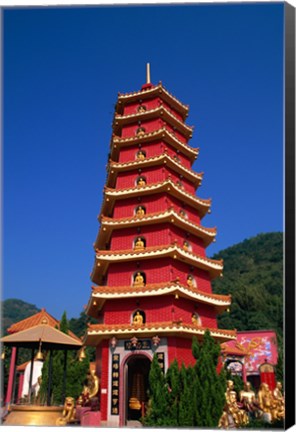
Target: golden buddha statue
141,109
279,401
195,319
140,155
138,319
266,402
141,182
140,211
139,280
139,244
140,131
185,246
230,387
247,397
190,281
239,415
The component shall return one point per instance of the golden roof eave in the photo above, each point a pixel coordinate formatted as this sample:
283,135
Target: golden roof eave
108,224
162,134
165,159
97,332
106,257
157,90
102,293
201,205
159,112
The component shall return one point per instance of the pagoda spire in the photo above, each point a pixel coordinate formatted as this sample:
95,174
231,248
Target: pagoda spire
148,80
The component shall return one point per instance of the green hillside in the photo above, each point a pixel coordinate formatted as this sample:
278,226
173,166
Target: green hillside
14,310
253,275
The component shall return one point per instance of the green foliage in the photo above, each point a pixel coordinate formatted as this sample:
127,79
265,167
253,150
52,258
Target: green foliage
76,372
253,275
14,310
157,407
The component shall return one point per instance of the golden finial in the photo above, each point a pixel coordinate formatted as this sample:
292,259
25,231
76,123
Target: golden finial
148,73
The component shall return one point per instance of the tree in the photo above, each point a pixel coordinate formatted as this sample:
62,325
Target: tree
157,405
211,385
76,372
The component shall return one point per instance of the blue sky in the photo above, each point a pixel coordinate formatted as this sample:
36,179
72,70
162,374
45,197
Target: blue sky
62,70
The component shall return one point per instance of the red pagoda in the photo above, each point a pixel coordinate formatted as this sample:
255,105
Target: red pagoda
152,278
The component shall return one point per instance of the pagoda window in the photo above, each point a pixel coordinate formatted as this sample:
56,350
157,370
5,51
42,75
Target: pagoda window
141,108
141,155
140,211
138,317
191,281
139,279
139,243
141,181
195,319
140,131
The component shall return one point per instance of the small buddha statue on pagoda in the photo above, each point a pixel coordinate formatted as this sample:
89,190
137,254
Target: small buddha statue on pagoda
195,319
140,155
141,109
140,211
138,319
190,281
140,131
186,245
279,401
139,244
139,280
141,182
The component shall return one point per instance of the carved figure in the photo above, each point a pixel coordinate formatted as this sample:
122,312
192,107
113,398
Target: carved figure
141,182
69,412
138,319
140,211
140,131
190,281
186,245
139,280
141,108
266,402
36,378
279,401
140,155
247,398
139,244
195,319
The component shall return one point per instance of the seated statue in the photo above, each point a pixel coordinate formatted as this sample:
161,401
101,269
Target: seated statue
190,281
139,280
138,319
266,402
140,155
140,131
69,412
139,244
195,319
140,211
279,401
185,246
90,390
247,398
141,182
239,415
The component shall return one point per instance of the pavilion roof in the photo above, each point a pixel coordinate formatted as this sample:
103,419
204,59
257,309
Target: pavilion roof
97,332
41,317
49,336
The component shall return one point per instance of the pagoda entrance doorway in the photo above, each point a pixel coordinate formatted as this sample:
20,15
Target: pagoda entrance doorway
137,385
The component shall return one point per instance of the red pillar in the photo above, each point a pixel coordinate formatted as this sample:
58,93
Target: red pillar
244,373
20,386
11,376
